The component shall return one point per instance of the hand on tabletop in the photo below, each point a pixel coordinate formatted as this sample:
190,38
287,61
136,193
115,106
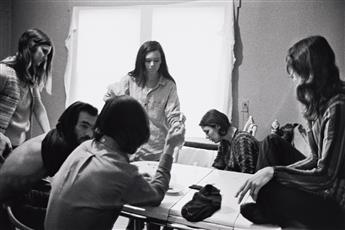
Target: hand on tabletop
255,183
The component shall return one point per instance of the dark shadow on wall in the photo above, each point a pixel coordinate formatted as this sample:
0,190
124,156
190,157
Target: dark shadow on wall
238,52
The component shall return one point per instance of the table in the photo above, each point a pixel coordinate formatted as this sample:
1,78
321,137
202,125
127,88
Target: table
179,176
169,212
228,217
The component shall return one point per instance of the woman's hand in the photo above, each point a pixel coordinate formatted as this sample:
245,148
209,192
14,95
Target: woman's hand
255,183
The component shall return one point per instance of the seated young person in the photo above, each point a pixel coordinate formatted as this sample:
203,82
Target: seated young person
94,182
42,156
238,150
309,193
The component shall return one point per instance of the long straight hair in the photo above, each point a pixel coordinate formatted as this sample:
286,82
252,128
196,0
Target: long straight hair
139,71
313,60
22,63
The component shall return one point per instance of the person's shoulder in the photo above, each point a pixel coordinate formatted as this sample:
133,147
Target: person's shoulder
336,101
168,83
122,79
241,135
7,72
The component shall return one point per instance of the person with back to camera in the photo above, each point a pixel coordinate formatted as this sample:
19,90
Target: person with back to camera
152,85
21,78
237,151
97,179
308,193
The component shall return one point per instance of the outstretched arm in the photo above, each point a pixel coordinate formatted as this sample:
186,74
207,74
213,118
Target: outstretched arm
152,193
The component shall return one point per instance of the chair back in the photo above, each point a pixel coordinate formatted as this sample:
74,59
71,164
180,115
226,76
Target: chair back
250,126
15,222
196,156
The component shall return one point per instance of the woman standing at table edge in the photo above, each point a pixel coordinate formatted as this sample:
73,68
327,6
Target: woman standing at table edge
152,85
309,193
21,78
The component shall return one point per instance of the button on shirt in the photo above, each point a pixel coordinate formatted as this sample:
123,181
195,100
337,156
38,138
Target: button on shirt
162,106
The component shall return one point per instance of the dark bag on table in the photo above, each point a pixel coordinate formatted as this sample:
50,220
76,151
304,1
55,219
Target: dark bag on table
204,203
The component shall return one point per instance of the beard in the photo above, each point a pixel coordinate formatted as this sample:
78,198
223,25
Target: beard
82,139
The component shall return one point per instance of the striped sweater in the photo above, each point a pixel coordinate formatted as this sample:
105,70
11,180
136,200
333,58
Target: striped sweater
9,95
322,173
240,155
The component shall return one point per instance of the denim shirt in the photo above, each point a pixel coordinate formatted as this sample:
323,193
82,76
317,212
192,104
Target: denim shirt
162,106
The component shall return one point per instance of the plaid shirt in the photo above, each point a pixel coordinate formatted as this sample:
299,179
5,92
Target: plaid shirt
240,155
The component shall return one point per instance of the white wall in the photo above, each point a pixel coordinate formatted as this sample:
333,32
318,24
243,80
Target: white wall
266,30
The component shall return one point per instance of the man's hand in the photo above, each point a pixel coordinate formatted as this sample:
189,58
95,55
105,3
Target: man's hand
175,136
255,183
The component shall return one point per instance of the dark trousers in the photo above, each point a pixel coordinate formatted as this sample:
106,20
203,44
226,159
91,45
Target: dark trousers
289,206
293,208
274,150
5,223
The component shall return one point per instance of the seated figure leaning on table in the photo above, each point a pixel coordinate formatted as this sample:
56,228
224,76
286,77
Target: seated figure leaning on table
42,156
96,180
238,150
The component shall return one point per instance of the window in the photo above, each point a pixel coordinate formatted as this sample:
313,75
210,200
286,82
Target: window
197,39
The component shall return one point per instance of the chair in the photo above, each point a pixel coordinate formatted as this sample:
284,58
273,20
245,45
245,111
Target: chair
250,126
16,223
196,156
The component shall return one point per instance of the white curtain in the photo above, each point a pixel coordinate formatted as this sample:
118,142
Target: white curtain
197,39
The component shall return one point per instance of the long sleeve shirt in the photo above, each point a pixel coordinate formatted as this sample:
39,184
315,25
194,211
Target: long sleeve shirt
323,172
239,155
162,106
17,101
95,181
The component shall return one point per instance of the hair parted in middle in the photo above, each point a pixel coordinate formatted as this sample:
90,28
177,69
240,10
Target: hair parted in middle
139,72
22,63
313,60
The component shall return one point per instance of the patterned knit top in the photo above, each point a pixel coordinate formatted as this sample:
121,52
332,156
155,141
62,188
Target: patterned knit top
239,155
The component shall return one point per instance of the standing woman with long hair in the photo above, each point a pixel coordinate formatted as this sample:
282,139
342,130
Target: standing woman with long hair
151,84
311,192
21,78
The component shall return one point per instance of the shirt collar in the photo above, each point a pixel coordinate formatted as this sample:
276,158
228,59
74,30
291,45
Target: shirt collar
112,144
